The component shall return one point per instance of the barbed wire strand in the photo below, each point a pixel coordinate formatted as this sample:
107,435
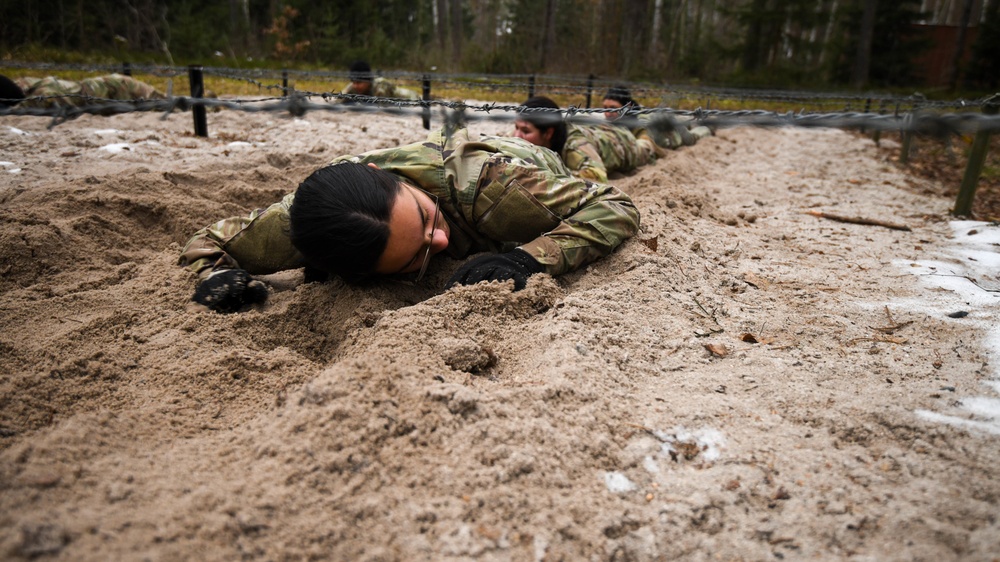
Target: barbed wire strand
552,84
922,121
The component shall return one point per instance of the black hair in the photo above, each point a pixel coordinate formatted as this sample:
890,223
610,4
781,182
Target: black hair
339,219
545,120
621,95
10,93
360,72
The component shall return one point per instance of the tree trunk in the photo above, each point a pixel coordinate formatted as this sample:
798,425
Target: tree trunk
753,45
440,27
84,43
828,33
678,48
456,31
862,62
654,36
956,61
548,33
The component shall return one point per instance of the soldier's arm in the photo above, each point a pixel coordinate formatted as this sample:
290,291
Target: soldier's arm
595,219
258,243
406,93
583,159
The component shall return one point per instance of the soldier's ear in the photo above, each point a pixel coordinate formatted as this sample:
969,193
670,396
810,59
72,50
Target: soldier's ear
548,134
373,165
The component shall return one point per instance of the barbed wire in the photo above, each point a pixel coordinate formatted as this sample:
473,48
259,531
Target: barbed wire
922,121
549,84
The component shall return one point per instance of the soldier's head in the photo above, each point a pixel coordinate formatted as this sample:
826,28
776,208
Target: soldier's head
357,221
618,97
541,128
10,93
361,77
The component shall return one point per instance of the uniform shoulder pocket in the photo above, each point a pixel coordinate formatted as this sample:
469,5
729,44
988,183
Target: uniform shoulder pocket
509,213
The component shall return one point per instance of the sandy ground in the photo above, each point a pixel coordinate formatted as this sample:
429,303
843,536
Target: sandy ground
740,381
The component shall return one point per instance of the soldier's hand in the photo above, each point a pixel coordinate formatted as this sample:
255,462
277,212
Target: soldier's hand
516,265
229,290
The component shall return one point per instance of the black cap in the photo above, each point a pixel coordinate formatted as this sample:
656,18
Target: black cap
360,72
10,93
621,95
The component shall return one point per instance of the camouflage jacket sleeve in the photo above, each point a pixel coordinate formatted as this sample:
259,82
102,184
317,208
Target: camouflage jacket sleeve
385,89
582,157
72,93
51,92
569,222
258,243
119,87
382,88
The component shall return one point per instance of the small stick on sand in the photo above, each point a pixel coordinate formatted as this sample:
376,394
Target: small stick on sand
858,220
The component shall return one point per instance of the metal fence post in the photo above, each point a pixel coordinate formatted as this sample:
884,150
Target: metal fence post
284,82
977,157
531,86
127,68
590,88
197,109
426,87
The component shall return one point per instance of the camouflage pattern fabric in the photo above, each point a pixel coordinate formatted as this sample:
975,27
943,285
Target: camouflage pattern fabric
382,88
593,151
74,93
671,131
496,194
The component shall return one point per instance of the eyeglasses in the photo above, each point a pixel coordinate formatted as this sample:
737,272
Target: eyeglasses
427,252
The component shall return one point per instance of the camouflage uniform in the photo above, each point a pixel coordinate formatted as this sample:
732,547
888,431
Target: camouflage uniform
670,131
496,194
593,151
382,88
73,93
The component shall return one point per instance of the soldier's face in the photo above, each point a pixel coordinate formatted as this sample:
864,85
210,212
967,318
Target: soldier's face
412,231
611,104
361,87
531,133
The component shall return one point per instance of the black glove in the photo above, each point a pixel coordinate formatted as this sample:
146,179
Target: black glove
516,265
229,290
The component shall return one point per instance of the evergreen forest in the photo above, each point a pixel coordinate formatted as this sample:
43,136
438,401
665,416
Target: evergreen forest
749,43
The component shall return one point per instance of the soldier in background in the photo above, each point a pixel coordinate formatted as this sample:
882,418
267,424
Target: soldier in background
668,131
590,152
388,212
55,92
364,83
618,97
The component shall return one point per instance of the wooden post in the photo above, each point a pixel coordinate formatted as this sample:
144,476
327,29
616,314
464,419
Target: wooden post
877,135
531,86
197,109
426,86
590,88
284,82
904,150
977,157
868,105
